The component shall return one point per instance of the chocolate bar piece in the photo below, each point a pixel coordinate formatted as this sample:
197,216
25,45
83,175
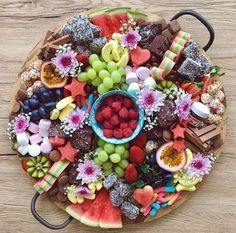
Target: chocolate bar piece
163,23
207,129
62,40
51,48
48,34
211,135
174,26
167,33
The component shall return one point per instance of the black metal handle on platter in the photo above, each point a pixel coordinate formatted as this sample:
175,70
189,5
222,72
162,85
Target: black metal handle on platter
43,221
203,21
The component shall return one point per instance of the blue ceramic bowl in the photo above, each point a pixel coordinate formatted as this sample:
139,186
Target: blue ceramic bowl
96,126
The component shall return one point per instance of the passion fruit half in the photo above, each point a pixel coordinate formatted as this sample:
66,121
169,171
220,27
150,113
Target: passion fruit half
169,159
50,77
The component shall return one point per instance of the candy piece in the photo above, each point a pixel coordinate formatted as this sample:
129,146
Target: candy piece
65,111
180,187
176,48
57,141
180,41
22,138
172,56
150,83
34,150
167,65
64,102
174,198
129,210
140,56
122,189
133,88
147,211
68,152
116,198
33,128
23,149
184,35
157,73
110,181
143,196
44,124
142,73
35,139
128,69
54,114
174,26
200,110
46,147
43,132
131,77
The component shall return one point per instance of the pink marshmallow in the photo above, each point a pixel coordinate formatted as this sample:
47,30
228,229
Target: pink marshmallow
44,124
143,72
131,77
35,139
33,128
128,69
46,147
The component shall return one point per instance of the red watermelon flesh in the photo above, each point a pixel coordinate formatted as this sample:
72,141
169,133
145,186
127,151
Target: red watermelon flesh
111,216
122,17
77,210
92,216
115,22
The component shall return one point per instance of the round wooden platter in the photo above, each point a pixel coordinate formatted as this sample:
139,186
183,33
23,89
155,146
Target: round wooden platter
163,211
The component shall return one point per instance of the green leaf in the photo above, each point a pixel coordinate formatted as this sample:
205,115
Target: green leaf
145,168
137,184
216,70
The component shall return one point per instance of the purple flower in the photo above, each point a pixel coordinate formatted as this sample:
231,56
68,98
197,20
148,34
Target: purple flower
88,172
130,39
21,123
199,166
65,62
151,100
75,119
183,106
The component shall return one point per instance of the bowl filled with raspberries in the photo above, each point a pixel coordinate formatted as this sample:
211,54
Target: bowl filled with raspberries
116,117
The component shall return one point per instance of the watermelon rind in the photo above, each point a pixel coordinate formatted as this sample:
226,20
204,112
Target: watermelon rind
137,15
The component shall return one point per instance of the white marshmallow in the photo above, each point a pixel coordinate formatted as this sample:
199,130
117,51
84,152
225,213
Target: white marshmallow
34,150
131,77
150,83
23,149
22,138
44,124
200,109
128,69
43,132
133,88
143,72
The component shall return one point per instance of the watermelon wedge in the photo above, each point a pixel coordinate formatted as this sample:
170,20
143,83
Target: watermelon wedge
77,210
92,215
111,216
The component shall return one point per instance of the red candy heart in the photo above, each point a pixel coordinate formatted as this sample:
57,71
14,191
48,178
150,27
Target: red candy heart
143,196
140,56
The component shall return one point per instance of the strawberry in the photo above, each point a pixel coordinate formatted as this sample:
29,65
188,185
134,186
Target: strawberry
127,132
116,106
140,140
131,173
136,155
123,113
106,112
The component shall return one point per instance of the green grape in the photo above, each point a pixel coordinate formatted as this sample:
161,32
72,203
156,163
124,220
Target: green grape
111,66
124,87
109,148
96,82
120,149
102,89
125,155
103,156
97,65
101,58
107,172
103,74
88,68
104,65
123,163
119,171
101,143
82,77
107,165
126,145
93,58
97,161
116,77
91,73
121,70
98,149
115,158
107,82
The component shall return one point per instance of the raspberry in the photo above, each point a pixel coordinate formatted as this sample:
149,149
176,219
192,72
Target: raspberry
133,114
123,125
119,98
116,106
107,133
109,100
107,125
117,133
114,120
106,112
123,113
133,124
99,117
127,132
83,58
136,155
128,103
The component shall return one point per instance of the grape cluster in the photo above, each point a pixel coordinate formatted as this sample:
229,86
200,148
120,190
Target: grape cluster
42,102
111,157
104,76
156,176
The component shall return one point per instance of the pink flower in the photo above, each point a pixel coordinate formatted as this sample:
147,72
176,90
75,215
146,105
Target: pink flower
199,166
88,172
21,123
130,39
83,191
183,106
75,119
151,100
65,62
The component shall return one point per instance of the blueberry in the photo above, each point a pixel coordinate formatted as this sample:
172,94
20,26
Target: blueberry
158,183
49,106
168,175
33,103
42,89
26,102
58,92
151,159
26,109
147,177
42,113
51,94
35,115
44,97
34,96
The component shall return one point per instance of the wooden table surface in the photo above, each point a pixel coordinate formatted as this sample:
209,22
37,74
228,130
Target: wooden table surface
23,22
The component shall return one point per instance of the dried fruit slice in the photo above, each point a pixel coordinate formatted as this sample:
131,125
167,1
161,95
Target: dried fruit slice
50,77
169,159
